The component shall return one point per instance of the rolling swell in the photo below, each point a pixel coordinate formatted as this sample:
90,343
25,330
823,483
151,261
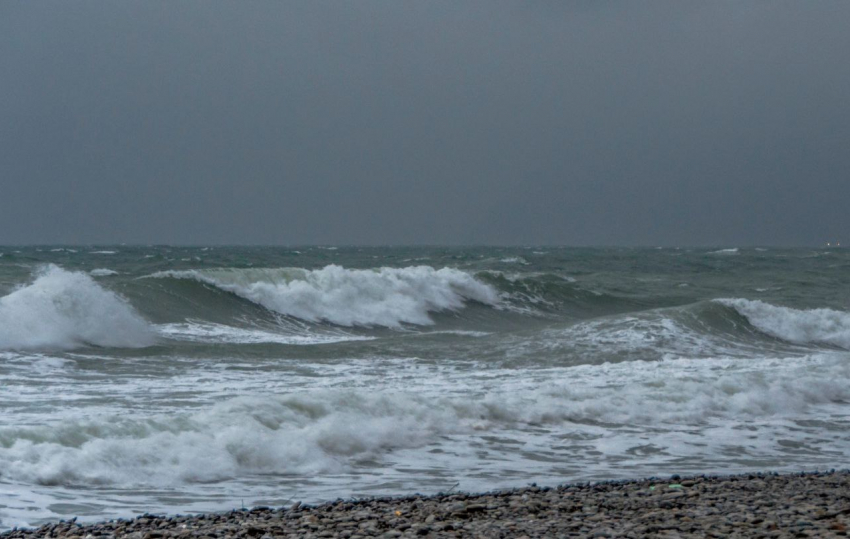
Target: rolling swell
542,293
721,328
392,297
63,309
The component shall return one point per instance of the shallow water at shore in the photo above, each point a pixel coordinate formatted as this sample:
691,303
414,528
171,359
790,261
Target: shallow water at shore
751,505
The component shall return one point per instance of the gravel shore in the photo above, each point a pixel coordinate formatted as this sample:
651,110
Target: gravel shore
755,505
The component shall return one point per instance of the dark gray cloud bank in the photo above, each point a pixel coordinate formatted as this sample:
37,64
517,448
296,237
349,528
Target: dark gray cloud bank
549,122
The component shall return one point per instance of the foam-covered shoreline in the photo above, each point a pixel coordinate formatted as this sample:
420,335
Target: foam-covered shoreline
749,505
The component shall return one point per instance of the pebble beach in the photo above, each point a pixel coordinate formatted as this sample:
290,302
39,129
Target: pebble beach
752,505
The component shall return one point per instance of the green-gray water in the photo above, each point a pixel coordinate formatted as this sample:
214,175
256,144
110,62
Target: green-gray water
176,379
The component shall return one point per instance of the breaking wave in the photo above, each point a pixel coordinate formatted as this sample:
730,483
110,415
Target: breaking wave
726,328
386,297
62,310
799,326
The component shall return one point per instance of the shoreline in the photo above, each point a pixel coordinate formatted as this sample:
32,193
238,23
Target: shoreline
807,504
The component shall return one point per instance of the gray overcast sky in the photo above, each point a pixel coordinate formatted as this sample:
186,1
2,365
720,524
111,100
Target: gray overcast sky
393,122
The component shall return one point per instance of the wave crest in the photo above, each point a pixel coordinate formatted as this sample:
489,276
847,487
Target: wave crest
63,310
386,297
799,326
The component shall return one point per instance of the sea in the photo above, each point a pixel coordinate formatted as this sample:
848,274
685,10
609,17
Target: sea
178,380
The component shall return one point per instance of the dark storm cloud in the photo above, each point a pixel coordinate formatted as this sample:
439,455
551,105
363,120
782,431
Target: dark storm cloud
425,122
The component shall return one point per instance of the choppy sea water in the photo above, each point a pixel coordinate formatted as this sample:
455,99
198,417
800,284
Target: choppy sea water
165,379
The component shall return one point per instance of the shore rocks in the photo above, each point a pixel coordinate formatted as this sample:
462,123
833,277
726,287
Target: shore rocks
754,505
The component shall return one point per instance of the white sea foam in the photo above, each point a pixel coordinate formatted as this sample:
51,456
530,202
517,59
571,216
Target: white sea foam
102,252
630,337
102,272
63,309
348,297
208,332
461,332
732,251
800,326
323,430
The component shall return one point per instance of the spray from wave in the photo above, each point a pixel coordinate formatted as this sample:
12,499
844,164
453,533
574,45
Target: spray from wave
63,310
386,297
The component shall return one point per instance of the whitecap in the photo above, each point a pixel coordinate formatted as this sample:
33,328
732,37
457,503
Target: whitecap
799,326
102,272
63,309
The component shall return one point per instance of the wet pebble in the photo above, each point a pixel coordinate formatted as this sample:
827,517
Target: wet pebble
752,505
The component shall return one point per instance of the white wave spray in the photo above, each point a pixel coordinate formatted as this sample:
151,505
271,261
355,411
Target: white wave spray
63,309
